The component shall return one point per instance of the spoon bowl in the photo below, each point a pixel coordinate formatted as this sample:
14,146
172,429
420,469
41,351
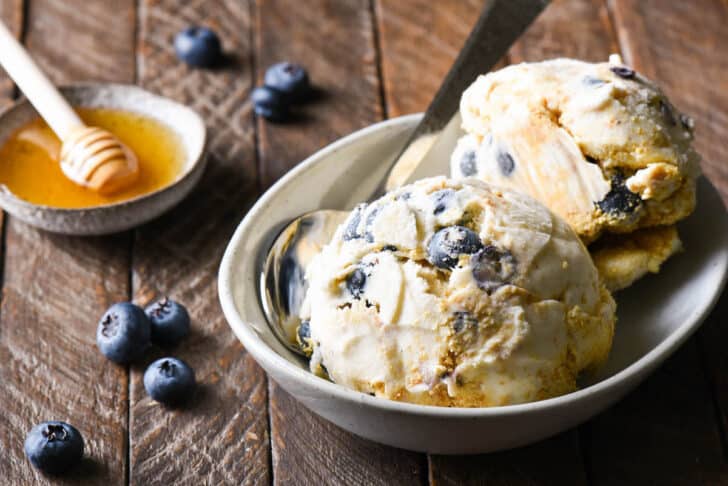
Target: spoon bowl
120,216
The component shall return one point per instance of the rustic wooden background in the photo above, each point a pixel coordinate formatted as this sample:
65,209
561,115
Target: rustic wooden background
372,59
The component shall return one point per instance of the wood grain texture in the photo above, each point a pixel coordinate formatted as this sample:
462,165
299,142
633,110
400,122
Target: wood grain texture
669,423
419,40
11,13
55,287
220,436
334,40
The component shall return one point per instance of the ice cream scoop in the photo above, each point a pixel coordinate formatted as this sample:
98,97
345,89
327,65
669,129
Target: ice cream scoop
282,283
456,293
91,157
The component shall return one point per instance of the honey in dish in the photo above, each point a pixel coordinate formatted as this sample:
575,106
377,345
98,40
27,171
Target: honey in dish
30,169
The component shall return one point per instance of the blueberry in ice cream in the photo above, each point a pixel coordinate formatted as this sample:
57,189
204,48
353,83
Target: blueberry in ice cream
597,143
464,294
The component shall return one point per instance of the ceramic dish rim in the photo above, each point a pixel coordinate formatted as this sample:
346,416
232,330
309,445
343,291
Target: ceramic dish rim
262,352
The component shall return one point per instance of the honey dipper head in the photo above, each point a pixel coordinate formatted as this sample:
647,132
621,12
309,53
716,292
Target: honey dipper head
95,158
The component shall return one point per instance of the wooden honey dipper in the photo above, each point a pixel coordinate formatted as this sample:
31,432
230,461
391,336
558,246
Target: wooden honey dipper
90,156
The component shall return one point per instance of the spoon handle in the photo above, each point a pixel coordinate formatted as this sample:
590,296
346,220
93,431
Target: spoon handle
41,93
499,25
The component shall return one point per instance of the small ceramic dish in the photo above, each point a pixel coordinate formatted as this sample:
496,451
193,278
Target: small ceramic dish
655,316
111,218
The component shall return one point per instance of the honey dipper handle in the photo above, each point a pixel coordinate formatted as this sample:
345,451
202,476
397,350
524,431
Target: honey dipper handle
41,93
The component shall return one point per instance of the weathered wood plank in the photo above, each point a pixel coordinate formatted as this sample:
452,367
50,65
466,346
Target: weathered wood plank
11,13
221,437
334,40
55,287
669,423
419,42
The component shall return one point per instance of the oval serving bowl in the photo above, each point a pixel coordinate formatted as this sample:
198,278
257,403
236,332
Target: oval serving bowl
655,316
111,218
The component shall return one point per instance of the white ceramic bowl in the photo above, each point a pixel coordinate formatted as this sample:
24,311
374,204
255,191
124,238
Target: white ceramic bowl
655,316
111,218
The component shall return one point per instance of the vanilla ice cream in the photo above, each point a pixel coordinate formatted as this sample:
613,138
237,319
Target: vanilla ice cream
456,293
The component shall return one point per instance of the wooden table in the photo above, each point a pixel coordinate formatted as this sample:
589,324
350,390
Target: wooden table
372,59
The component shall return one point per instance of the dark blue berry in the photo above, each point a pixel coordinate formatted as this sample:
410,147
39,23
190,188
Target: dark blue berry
441,199
492,267
667,113
288,78
449,243
169,320
623,72
352,227
169,381
592,81
269,103
506,164
198,46
463,320
123,333
619,199
368,235
467,163
54,447
303,335
389,248
355,282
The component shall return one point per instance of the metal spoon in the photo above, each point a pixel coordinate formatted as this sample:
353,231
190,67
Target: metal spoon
282,281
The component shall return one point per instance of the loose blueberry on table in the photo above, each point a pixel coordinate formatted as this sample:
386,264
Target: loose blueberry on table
198,47
289,79
169,320
169,381
54,447
123,333
269,103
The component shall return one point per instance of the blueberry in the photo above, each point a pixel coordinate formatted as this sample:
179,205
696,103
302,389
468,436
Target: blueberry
667,113
289,79
467,163
623,72
449,243
368,235
441,199
592,81
506,164
124,332
169,381
352,227
54,447
389,248
355,282
169,321
619,199
269,103
463,320
492,267
303,336
198,46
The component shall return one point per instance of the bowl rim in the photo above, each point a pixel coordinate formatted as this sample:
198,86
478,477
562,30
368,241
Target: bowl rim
255,345
197,157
